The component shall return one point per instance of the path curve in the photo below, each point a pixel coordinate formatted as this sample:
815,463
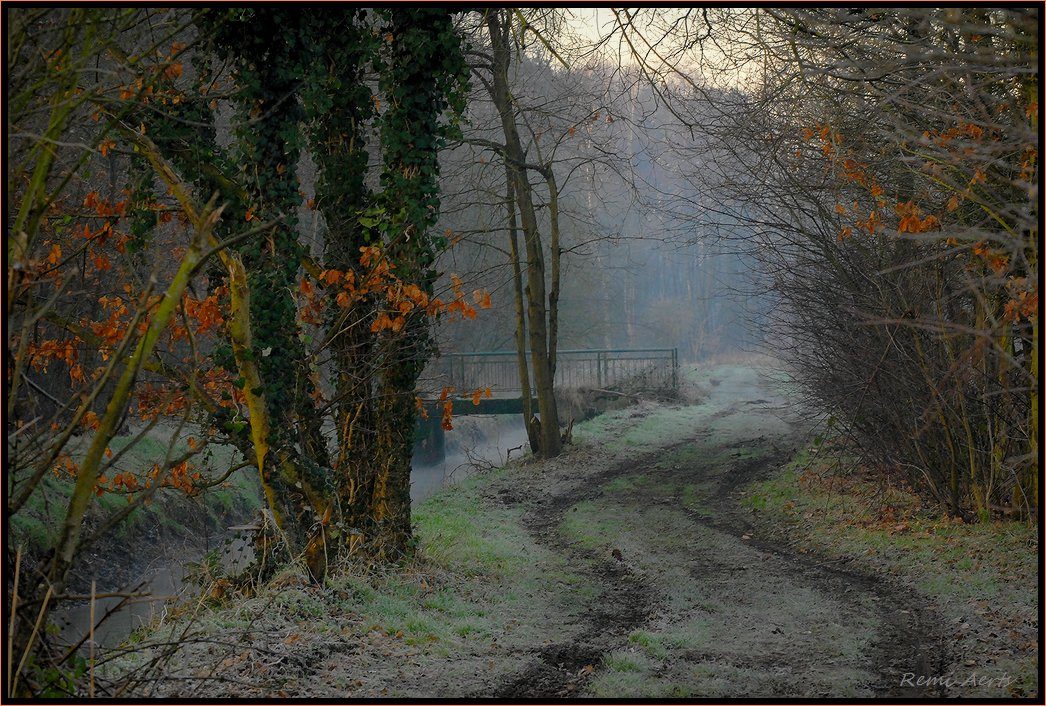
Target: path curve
857,637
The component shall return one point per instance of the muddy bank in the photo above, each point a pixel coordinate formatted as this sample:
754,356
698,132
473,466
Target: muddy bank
154,575
166,553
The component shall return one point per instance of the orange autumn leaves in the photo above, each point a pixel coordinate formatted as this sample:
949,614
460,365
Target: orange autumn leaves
203,316
446,402
956,148
152,399
910,218
41,353
181,476
1023,302
158,83
398,298
102,335
953,150
56,255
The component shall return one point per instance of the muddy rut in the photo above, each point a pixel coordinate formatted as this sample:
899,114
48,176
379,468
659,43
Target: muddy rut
774,621
625,603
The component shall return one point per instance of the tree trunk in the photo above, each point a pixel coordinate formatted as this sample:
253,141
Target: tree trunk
338,144
421,67
296,493
533,435
394,444
556,254
551,443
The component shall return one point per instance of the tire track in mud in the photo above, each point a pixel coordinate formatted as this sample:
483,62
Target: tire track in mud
904,637
628,600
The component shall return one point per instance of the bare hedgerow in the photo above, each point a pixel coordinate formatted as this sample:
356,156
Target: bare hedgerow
882,164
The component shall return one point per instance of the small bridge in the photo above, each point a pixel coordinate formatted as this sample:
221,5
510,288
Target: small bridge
608,369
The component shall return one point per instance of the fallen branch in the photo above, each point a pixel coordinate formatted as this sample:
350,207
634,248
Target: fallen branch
615,392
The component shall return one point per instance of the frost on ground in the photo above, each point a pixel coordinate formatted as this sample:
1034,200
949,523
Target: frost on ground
631,566
981,579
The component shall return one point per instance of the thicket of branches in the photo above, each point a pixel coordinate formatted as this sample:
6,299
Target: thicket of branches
882,164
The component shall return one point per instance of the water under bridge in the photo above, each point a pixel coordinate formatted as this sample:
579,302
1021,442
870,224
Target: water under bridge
630,370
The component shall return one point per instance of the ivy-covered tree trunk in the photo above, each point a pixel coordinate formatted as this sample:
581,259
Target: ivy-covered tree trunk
291,456
421,74
293,71
338,104
394,443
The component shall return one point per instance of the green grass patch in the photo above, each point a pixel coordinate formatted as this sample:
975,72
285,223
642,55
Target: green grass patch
635,675
458,532
591,526
400,605
652,643
639,481
695,498
623,662
476,569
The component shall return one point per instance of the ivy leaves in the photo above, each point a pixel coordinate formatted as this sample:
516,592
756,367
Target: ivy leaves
423,75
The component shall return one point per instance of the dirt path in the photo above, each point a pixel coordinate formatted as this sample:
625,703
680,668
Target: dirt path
692,602
625,601
625,568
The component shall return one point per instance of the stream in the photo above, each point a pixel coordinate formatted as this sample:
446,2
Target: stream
475,443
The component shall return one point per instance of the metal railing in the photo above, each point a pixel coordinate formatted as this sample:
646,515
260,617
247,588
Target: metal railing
634,369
